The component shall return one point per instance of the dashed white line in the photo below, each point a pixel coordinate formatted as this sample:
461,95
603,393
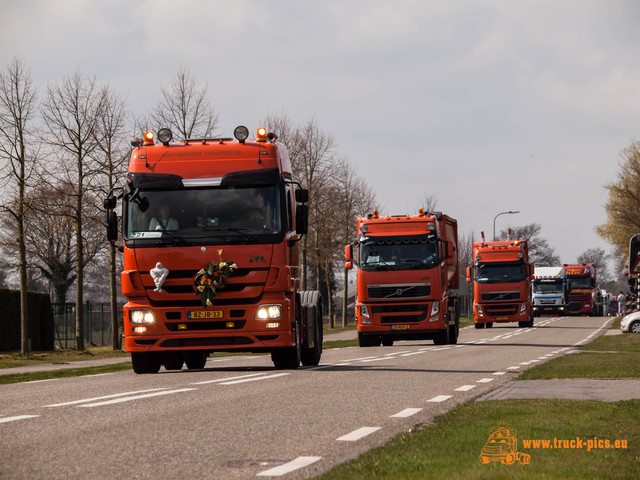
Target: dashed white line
440,398
465,388
16,418
292,466
229,378
358,434
499,373
115,395
255,379
137,397
407,412
485,380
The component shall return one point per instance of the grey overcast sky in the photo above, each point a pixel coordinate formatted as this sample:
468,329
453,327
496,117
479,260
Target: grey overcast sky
489,105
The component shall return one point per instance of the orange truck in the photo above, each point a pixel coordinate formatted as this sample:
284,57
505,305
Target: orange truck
585,297
501,276
407,271
210,231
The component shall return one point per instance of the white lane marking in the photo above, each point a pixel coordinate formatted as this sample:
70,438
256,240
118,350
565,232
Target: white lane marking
441,348
361,358
137,397
45,380
440,398
485,380
292,466
412,353
407,412
396,353
513,368
115,395
358,434
229,378
499,373
465,388
375,359
254,379
16,418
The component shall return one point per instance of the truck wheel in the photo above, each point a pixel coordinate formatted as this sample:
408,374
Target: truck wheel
489,324
454,330
368,340
288,358
195,360
145,362
442,338
173,360
387,342
479,325
311,299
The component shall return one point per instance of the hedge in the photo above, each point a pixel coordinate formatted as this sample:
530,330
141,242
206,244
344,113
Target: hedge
41,327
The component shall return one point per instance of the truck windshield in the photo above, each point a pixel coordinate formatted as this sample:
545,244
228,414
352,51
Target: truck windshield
398,253
232,214
548,287
500,272
580,283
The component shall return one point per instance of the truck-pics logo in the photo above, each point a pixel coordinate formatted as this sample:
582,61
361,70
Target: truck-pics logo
502,446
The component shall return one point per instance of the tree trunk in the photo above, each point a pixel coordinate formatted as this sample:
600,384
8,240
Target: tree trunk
25,347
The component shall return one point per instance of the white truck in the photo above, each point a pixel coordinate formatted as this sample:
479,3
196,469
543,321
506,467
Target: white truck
550,292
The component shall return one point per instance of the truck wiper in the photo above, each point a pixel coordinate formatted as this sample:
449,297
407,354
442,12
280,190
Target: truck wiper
239,231
179,238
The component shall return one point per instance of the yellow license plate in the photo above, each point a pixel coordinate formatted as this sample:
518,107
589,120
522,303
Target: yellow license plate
400,327
204,314
502,318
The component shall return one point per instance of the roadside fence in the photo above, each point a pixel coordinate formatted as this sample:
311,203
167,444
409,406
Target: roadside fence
97,323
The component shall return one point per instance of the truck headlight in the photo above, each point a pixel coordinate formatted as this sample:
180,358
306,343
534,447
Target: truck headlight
364,310
269,312
142,317
523,307
479,310
435,308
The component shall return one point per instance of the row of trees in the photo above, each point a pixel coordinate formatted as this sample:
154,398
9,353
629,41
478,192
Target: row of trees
64,153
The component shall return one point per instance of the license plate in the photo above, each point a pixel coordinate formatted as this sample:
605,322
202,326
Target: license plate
204,314
400,327
502,318
548,308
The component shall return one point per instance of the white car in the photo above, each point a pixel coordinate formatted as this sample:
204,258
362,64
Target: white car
630,323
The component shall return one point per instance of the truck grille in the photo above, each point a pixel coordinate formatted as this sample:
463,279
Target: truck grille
500,296
401,290
400,313
244,287
502,309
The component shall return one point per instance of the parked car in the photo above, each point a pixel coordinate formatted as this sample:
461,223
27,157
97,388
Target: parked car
630,323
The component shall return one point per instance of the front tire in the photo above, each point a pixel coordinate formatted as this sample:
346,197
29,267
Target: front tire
288,358
145,362
368,340
195,360
311,356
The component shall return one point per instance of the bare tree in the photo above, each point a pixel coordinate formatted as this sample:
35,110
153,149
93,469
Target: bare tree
600,258
17,109
540,252
185,108
355,199
430,202
71,112
111,156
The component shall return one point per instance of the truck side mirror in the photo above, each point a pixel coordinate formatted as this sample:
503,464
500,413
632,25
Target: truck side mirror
347,253
302,218
348,265
112,226
468,275
302,195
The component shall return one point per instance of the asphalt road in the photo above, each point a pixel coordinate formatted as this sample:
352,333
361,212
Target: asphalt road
240,418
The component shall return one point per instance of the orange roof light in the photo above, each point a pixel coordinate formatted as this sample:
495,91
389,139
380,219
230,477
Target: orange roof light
262,135
148,138
375,214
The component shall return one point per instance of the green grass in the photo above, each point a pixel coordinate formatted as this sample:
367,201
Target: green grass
450,447
16,359
70,372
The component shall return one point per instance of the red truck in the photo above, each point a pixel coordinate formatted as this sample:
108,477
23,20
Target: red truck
407,271
584,296
501,276
210,232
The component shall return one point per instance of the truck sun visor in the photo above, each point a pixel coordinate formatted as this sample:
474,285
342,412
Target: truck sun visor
261,177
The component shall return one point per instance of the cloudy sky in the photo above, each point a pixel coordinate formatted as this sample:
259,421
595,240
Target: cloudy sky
488,105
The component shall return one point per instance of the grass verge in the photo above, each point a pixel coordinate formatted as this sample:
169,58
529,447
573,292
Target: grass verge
69,372
450,447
